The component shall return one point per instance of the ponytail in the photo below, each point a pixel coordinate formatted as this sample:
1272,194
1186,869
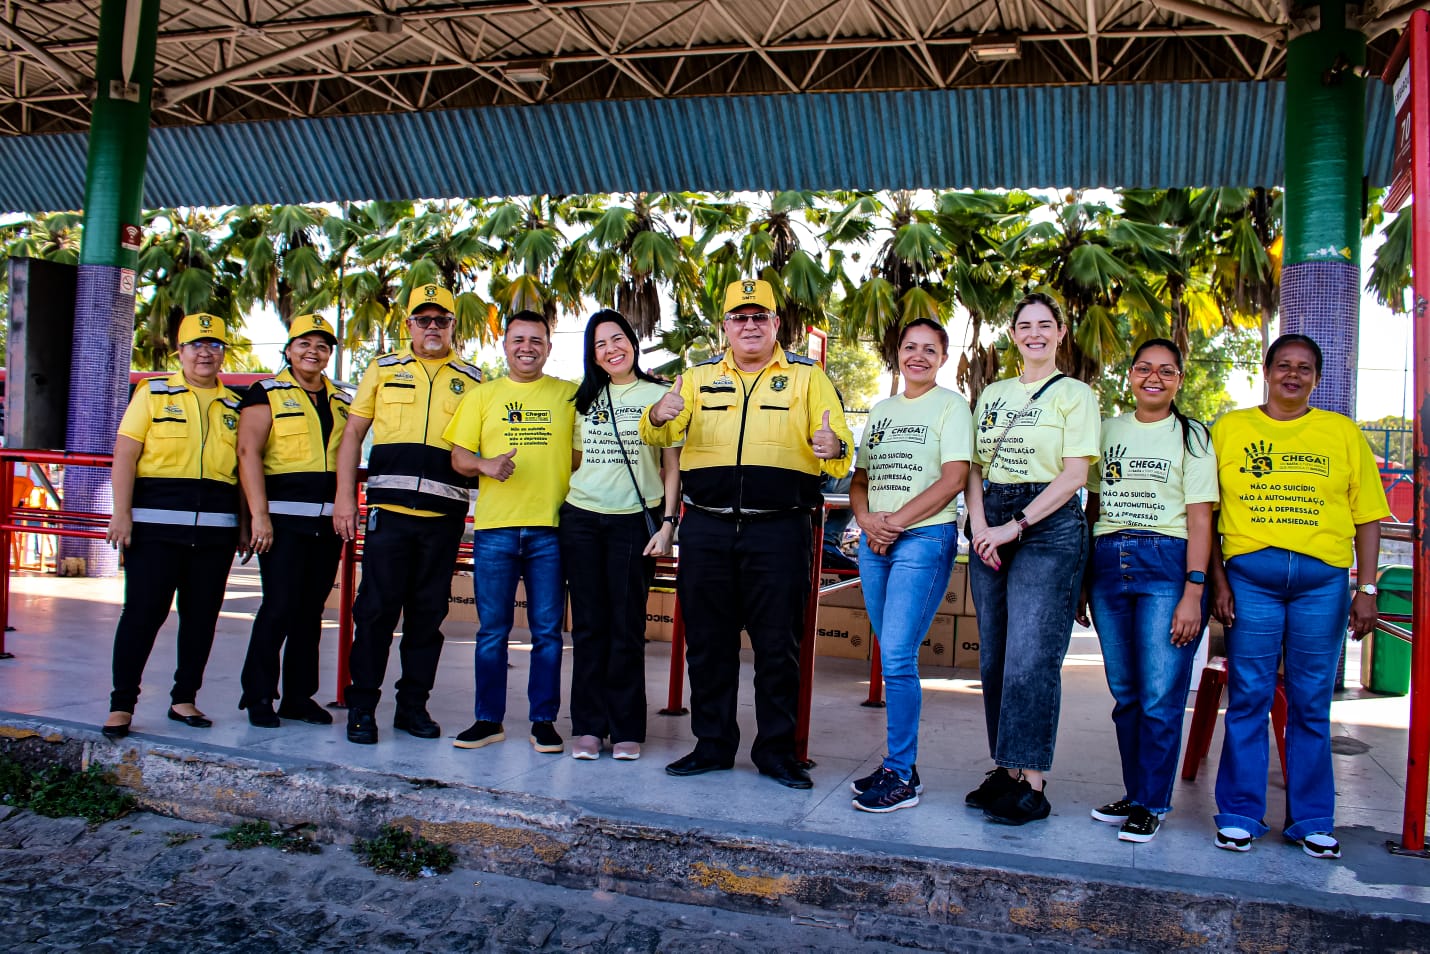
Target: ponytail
1192,426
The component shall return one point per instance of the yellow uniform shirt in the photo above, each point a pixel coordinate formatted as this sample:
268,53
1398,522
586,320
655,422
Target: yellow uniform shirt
1299,485
1061,423
907,442
747,435
536,418
602,484
1147,477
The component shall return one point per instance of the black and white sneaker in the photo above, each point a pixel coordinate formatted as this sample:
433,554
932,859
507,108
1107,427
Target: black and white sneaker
996,784
1321,844
1021,805
861,785
480,733
1113,813
1233,839
889,794
1140,826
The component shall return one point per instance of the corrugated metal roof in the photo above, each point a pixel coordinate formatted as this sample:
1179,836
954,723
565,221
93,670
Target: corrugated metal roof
1143,135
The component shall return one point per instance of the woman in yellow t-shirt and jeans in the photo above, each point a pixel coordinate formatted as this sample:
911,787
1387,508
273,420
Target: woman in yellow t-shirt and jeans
1150,503
1034,437
619,515
1300,498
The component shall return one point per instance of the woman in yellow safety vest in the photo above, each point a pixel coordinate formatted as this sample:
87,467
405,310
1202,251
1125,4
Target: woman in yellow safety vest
288,435
178,517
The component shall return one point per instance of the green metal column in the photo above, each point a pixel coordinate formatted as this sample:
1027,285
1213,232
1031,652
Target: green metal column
1325,164
104,308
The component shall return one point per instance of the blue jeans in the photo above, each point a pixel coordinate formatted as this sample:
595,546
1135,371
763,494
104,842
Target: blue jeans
916,572
1296,603
501,557
1138,578
1025,617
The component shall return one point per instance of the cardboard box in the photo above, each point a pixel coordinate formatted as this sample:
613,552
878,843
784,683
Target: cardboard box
965,645
851,597
842,632
968,608
938,645
955,597
660,616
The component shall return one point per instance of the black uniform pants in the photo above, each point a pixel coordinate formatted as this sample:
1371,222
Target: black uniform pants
755,574
154,570
297,573
608,580
407,568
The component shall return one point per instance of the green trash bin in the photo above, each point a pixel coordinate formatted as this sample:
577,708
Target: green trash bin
1385,659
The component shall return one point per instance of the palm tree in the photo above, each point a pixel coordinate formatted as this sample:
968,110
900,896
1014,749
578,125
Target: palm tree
529,270
771,249
283,263
182,269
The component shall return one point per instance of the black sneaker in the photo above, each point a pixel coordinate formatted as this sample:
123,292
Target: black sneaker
889,794
544,737
861,785
416,722
1114,813
1141,826
261,714
362,727
996,784
305,711
479,734
1020,806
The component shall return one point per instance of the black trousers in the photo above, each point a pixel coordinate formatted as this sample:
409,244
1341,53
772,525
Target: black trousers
407,568
297,575
154,571
755,574
608,580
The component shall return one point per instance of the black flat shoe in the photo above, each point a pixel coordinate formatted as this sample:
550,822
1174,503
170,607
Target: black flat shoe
788,773
115,731
193,721
305,711
696,764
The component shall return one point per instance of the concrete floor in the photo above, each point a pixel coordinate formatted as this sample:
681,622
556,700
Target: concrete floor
62,643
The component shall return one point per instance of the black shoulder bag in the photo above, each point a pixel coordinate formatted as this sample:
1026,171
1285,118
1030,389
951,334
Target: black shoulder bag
650,526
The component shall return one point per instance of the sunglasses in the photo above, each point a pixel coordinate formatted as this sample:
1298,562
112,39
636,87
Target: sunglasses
427,321
205,344
758,318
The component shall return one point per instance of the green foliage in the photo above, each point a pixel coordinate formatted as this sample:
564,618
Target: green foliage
295,839
854,369
1391,438
57,792
396,851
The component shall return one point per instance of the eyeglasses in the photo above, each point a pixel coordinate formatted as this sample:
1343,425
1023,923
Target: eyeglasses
1143,369
427,321
758,318
205,345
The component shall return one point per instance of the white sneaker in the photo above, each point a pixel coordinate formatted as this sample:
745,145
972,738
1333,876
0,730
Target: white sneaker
626,751
587,748
1321,844
1233,839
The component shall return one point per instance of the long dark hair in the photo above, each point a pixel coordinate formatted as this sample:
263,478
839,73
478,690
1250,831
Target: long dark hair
1189,425
596,378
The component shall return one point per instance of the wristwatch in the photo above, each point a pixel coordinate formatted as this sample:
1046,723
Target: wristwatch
843,449
1197,577
672,519
1369,589
1021,519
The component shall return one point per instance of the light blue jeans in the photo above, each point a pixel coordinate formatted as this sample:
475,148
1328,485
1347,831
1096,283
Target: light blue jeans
1138,578
501,557
902,592
1296,603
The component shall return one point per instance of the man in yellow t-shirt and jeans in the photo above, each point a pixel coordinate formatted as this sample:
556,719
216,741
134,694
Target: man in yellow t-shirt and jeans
514,435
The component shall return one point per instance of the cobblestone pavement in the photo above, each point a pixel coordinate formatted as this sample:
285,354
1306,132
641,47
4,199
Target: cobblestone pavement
155,884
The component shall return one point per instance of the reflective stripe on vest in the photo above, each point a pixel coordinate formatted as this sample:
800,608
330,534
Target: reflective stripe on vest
300,508
184,518
421,485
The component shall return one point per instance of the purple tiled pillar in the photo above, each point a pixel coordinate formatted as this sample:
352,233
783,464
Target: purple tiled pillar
1322,301
99,390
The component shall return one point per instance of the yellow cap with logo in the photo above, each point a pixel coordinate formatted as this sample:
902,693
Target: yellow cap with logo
202,325
311,325
431,295
749,291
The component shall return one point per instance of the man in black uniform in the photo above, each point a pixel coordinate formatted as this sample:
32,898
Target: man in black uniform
417,510
761,426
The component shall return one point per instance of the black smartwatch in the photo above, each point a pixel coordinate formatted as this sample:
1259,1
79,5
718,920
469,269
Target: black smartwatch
672,519
1197,577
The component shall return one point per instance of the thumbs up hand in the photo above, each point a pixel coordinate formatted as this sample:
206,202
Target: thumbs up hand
499,467
826,443
670,405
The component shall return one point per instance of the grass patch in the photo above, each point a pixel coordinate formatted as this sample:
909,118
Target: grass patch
396,851
176,838
57,792
260,834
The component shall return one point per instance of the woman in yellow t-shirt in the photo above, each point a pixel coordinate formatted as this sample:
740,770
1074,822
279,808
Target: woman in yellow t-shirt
1034,436
1150,503
1300,498
912,465
620,513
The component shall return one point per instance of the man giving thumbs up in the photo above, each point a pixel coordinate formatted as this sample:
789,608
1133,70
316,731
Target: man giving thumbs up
761,428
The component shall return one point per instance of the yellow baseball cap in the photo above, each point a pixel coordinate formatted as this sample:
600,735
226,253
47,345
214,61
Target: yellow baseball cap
311,324
202,325
749,291
431,295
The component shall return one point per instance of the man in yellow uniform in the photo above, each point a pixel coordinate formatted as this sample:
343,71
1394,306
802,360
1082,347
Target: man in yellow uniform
761,428
417,507
514,435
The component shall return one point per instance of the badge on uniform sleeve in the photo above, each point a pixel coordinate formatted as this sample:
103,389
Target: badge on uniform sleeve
779,382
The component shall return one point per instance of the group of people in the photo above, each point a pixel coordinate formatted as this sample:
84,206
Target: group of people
1256,520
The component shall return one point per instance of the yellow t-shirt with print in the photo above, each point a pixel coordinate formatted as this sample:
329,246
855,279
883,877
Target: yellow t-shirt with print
906,443
602,484
1147,477
536,418
1299,485
1061,423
